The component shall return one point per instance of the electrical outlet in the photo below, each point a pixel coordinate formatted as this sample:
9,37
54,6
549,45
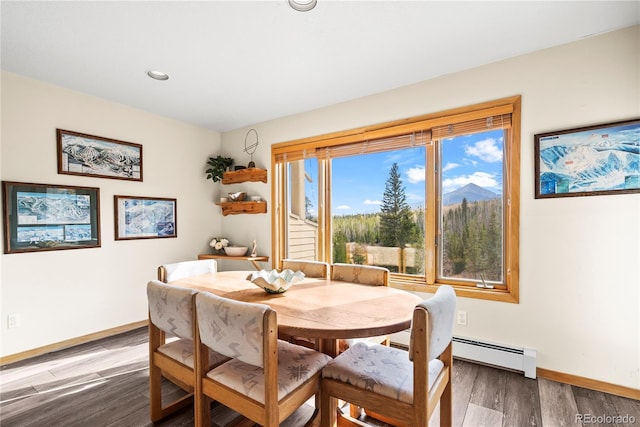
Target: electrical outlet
462,318
13,320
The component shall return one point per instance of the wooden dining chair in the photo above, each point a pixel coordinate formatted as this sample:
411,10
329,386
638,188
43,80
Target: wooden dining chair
171,311
180,270
314,269
267,379
317,269
404,387
370,275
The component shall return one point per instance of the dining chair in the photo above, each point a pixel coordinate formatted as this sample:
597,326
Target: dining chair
171,311
267,379
180,270
310,268
402,386
366,275
315,269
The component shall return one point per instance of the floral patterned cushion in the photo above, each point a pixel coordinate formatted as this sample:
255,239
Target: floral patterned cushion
182,351
180,270
296,364
364,274
309,268
171,308
233,328
378,368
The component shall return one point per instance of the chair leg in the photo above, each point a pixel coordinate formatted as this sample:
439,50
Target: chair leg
202,411
155,393
328,408
446,407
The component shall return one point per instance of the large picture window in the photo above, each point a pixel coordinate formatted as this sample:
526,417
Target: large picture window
435,199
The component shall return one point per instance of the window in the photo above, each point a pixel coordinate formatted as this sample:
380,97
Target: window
433,198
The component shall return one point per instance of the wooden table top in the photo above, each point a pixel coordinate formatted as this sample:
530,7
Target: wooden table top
318,308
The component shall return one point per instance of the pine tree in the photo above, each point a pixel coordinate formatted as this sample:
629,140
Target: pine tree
397,226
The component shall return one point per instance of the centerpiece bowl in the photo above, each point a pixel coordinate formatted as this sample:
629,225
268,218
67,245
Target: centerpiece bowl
274,282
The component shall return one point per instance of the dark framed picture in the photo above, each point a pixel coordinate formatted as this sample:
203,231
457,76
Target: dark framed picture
588,161
42,217
88,155
144,217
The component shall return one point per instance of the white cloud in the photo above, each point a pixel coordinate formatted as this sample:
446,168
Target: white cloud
372,202
343,208
486,150
416,174
482,179
450,166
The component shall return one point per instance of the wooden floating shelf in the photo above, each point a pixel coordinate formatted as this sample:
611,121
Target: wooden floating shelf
234,208
245,175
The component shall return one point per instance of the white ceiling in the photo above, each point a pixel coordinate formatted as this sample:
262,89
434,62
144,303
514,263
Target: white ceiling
237,63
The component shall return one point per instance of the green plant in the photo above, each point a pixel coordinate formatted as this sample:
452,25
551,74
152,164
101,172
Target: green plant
217,167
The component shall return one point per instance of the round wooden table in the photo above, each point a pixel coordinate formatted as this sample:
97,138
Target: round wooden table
316,308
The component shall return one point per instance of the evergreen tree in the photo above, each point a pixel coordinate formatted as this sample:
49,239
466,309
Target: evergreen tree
339,247
397,226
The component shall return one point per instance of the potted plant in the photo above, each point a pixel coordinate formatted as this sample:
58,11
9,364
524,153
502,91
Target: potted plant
217,167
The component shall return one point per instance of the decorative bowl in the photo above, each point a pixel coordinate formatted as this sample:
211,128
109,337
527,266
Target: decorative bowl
237,197
235,250
274,282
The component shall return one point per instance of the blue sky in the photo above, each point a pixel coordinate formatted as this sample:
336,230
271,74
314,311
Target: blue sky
359,181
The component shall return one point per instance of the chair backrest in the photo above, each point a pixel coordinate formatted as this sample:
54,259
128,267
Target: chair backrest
171,308
439,313
317,269
363,274
235,329
180,270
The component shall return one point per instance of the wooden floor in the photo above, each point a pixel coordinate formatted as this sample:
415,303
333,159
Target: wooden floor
105,383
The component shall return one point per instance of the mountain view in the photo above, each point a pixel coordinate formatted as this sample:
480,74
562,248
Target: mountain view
471,192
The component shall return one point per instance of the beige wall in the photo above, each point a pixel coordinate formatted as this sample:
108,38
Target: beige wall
580,280
64,294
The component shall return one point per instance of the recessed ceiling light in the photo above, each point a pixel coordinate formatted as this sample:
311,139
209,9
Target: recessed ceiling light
158,75
303,5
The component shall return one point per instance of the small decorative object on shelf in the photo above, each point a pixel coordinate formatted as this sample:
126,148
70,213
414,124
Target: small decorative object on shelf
237,197
218,244
235,250
250,149
217,167
254,249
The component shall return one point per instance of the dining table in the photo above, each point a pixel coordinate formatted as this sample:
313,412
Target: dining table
323,309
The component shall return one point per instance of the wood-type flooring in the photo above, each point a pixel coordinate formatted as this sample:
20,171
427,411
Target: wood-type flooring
105,384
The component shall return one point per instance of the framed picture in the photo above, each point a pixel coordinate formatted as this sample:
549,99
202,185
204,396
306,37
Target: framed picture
144,217
88,155
41,217
588,161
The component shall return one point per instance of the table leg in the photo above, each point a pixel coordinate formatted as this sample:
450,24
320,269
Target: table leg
329,347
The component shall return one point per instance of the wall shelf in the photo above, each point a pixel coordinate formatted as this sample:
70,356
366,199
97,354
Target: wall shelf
245,175
234,208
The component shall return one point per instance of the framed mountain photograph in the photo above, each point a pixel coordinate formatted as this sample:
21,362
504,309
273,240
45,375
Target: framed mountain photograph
588,161
144,217
95,156
47,217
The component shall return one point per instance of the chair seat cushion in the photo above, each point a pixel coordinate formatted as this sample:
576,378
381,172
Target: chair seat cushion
378,368
182,351
296,364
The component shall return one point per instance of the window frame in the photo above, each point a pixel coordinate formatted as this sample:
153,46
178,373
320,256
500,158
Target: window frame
297,149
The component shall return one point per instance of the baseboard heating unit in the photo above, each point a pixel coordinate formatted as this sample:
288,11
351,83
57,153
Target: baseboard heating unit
516,358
